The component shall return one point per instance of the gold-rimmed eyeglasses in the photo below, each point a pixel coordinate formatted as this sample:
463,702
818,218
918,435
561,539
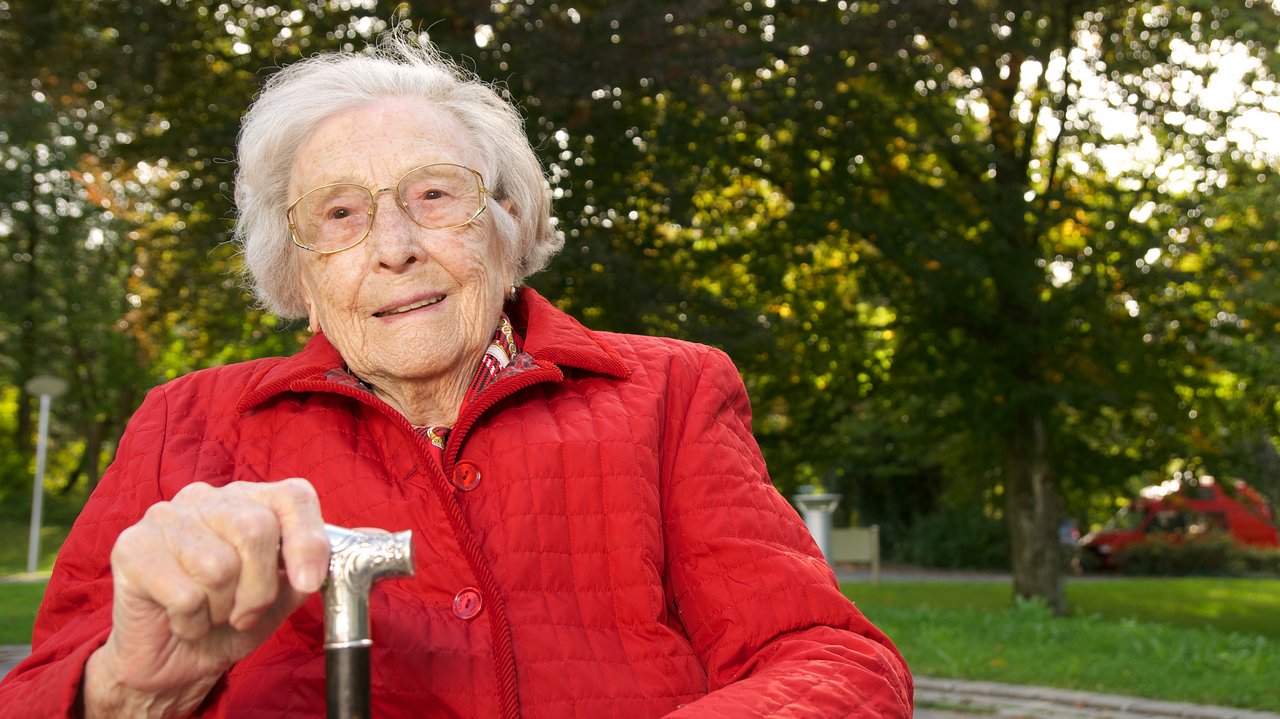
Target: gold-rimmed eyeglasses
337,217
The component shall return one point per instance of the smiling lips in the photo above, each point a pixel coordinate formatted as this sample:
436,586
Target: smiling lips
409,307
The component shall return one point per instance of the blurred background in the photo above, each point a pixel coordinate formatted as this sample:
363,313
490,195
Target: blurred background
988,267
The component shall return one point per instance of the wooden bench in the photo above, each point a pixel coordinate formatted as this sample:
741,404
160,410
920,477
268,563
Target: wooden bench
857,545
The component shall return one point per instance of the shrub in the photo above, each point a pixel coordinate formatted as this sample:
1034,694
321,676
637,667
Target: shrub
1210,555
954,539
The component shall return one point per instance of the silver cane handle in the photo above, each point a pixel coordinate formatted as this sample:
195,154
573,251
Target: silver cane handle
356,561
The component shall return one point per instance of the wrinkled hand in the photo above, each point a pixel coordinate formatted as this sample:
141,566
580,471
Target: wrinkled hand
199,583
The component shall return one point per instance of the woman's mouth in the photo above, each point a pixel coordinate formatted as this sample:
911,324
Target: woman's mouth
409,307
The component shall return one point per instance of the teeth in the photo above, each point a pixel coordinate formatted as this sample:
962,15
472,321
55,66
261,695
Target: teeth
409,308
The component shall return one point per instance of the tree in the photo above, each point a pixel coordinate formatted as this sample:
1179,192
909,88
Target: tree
64,272
991,252
925,218
1054,309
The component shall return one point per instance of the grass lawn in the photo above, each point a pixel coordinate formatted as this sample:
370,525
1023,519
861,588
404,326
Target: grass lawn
1248,606
18,604
1213,641
19,600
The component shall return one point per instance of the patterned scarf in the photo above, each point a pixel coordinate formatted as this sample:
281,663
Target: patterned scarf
502,350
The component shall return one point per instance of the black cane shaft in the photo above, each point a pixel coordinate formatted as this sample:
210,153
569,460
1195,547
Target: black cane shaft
346,672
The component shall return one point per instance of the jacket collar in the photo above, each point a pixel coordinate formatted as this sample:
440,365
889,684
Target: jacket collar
549,335
553,336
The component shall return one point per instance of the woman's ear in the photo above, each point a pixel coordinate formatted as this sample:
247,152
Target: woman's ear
509,206
313,317
313,320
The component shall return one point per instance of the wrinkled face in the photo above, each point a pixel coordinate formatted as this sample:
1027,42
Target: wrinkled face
407,304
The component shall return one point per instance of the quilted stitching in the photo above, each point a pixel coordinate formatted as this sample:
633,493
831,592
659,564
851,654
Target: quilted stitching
630,547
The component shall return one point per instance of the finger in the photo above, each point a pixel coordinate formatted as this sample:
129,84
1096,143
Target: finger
155,578
213,564
247,529
303,542
252,529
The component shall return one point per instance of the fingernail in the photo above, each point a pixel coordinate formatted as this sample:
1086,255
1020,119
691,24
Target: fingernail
308,579
245,621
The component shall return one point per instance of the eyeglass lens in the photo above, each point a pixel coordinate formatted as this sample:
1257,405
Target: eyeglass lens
334,217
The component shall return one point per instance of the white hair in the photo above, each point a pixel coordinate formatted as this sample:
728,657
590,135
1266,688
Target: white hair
298,98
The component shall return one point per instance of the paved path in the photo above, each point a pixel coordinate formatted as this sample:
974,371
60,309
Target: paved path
954,699
900,573
10,655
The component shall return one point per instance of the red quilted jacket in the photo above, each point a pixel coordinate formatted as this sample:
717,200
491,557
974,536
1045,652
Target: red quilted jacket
602,541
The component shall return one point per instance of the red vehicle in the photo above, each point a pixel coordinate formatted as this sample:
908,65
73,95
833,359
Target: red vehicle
1176,510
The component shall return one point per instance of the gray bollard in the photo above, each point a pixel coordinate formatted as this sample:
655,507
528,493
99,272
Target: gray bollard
816,509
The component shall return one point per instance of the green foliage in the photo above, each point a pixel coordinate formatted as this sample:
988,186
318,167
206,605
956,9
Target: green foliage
12,464
1212,555
900,219
955,540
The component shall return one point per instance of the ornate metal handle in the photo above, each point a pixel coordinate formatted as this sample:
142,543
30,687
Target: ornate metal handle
356,561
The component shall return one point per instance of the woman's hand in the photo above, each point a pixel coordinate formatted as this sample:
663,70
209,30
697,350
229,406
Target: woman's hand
199,583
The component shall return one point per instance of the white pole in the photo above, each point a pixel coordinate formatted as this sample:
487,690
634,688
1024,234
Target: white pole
37,493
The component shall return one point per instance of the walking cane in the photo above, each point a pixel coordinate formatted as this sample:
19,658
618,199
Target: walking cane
356,561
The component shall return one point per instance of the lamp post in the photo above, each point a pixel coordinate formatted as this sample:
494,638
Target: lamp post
47,388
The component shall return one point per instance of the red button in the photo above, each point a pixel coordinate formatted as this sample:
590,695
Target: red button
466,476
468,603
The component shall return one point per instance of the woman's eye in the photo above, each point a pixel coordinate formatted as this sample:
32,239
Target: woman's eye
338,213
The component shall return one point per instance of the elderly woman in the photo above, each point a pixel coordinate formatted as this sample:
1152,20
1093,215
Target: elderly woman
595,533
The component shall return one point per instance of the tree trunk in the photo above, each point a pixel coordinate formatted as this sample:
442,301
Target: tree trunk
1033,509
1267,460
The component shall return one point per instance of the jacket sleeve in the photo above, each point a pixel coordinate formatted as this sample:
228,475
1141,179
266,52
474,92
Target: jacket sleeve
75,616
760,605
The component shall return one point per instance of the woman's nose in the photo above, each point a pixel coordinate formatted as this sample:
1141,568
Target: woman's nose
397,240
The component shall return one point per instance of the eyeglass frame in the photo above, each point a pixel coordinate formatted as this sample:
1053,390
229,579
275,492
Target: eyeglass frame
485,194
